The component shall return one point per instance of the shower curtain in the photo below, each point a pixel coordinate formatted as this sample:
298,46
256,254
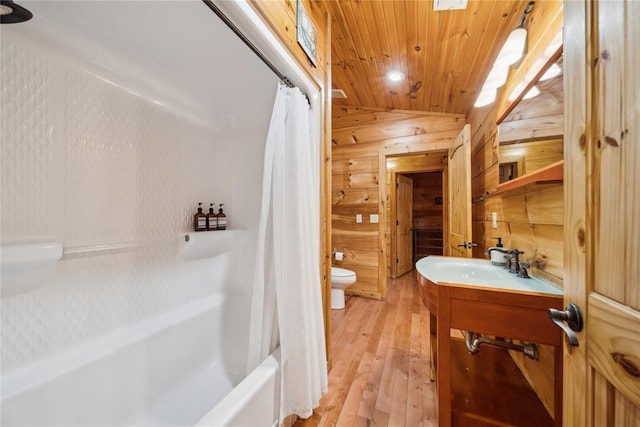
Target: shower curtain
287,299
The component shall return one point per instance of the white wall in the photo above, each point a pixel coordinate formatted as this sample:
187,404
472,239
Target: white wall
100,146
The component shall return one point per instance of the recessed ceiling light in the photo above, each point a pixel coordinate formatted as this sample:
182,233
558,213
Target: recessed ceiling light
395,76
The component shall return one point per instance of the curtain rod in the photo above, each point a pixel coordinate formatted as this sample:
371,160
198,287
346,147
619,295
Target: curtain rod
250,45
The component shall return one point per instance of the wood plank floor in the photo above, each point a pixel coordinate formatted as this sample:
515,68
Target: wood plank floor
382,366
381,363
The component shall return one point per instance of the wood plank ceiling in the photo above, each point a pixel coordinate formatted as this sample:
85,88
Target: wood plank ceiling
445,55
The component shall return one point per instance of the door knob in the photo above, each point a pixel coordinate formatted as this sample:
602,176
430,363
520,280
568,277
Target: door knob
573,318
467,245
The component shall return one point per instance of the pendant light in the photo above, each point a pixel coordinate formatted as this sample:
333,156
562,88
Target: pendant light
486,97
496,78
533,92
554,70
11,13
513,48
510,54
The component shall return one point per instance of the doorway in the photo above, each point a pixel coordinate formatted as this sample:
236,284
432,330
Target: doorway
417,209
428,214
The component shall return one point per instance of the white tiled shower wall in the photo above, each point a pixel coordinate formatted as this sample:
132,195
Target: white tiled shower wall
86,161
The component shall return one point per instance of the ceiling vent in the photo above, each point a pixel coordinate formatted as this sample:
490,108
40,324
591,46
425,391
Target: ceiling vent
449,4
338,93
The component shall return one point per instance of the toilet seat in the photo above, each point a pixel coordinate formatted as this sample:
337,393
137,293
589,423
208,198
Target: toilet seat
342,276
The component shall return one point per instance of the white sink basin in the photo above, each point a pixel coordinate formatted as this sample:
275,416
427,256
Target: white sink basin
479,272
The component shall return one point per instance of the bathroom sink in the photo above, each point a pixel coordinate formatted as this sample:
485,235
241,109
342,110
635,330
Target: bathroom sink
473,295
479,272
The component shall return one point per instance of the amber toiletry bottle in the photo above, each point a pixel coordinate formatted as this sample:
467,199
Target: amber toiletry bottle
212,219
199,220
222,219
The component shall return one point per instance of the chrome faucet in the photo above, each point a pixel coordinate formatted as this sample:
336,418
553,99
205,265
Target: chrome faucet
515,262
523,270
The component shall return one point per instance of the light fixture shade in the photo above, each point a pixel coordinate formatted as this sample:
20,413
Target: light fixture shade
513,48
553,71
486,97
11,13
517,91
496,78
534,91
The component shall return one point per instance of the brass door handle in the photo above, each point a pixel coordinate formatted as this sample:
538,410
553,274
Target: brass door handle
573,318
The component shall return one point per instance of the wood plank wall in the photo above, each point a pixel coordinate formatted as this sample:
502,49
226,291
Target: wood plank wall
532,219
281,17
426,188
362,140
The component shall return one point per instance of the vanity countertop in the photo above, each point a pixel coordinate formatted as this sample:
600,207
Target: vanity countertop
479,273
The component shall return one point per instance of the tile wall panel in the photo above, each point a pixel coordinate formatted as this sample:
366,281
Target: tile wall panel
90,162
26,150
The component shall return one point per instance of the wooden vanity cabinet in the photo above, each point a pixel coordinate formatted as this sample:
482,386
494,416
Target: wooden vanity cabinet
501,313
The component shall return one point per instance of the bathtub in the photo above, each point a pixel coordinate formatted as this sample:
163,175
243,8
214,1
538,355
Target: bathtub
183,367
253,402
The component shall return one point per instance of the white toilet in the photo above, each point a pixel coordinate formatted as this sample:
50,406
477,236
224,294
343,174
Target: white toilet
341,278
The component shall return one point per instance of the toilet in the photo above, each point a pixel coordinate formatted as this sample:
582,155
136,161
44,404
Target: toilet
341,278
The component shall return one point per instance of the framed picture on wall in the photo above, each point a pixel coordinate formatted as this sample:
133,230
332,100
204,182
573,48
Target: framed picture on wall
306,33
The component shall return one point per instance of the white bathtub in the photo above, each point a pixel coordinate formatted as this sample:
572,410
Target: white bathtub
178,368
253,402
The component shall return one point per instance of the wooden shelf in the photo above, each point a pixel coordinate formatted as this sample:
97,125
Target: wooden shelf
426,241
554,173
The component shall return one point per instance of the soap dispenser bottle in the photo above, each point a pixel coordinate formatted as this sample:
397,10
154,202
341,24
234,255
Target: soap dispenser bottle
199,220
222,219
212,219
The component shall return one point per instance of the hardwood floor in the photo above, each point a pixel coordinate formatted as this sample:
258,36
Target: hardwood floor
381,363
381,373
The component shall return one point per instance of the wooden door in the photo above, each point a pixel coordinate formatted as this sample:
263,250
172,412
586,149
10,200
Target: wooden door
602,212
460,195
404,225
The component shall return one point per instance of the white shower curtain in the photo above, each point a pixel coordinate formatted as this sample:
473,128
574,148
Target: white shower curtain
287,299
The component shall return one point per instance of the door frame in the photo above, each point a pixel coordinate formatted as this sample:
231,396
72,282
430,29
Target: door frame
393,209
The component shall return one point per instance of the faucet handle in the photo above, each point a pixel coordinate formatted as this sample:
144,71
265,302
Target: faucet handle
515,264
508,259
522,272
